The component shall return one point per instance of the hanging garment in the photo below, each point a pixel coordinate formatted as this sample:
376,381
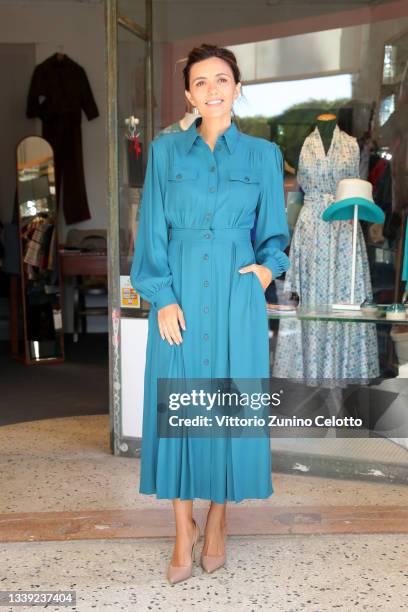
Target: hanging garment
320,273
134,157
209,200
58,92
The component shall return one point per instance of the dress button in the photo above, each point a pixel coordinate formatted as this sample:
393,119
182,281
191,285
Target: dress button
211,189
205,336
205,256
206,361
207,236
219,147
206,283
206,309
212,169
247,178
179,176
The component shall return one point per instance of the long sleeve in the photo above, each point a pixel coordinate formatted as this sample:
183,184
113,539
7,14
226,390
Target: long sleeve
150,274
272,234
88,103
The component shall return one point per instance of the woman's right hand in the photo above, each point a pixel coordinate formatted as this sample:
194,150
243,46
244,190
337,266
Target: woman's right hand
168,319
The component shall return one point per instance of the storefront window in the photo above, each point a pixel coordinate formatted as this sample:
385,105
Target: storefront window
350,67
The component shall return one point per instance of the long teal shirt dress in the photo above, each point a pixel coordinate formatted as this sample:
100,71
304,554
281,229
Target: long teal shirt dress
197,210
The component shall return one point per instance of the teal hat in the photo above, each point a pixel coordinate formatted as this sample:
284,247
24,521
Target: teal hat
351,192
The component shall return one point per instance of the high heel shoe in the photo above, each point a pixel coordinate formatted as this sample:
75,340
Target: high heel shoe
210,563
177,573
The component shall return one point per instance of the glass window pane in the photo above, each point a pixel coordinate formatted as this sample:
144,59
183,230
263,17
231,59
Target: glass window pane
134,10
132,143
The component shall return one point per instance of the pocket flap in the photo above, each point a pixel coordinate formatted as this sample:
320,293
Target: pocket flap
245,176
182,174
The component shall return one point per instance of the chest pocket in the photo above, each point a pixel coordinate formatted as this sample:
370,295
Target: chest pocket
244,186
180,175
181,185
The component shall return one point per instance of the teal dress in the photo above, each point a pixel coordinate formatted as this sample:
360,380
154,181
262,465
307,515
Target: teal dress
197,210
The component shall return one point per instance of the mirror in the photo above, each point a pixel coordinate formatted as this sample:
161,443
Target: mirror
40,269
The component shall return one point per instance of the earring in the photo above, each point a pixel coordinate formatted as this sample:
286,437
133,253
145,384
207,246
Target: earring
195,110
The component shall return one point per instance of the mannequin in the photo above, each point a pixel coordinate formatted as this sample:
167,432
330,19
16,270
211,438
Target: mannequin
325,352
183,124
187,120
326,124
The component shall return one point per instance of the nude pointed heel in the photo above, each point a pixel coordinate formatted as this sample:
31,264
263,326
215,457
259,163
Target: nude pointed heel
177,573
210,563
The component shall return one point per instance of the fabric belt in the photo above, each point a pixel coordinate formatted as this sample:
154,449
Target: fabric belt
220,234
318,195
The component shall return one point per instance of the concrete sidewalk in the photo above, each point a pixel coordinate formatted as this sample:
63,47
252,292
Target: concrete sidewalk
274,573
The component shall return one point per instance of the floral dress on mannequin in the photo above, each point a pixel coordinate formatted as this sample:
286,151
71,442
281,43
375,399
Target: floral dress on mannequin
320,273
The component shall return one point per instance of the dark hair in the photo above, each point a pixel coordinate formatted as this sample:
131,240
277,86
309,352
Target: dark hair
204,52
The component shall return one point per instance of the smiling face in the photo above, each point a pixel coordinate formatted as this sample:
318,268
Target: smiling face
212,87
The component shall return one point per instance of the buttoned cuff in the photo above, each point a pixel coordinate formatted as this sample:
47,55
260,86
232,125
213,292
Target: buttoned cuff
164,297
278,263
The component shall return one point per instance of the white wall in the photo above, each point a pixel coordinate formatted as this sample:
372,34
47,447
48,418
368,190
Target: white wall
80,30
14,125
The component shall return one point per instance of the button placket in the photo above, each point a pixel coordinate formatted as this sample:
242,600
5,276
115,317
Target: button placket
206,236
212,186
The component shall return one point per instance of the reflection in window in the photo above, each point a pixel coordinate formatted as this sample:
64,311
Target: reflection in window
387,107
285,111
389,63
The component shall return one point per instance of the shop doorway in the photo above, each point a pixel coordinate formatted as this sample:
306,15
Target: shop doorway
48,376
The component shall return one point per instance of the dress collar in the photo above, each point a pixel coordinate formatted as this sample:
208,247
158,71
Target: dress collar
319,141
231,135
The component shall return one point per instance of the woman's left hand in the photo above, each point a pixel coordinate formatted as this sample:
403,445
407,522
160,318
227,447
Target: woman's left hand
263,273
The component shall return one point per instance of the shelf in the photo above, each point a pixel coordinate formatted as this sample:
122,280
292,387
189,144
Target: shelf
325,313
306,314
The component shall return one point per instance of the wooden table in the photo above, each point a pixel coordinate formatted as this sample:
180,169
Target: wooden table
79,264
74,263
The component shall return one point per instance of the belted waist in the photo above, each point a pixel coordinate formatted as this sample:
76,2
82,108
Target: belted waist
318,200
223,234
313,195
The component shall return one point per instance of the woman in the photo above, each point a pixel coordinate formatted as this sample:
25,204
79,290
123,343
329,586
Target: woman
205,284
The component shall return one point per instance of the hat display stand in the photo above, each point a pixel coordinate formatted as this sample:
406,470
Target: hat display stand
354,200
